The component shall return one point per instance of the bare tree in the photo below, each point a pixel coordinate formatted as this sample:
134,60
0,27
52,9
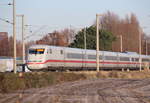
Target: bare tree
128,28
60,38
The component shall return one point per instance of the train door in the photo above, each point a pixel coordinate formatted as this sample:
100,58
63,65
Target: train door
62,58
101,58
59,56
84,58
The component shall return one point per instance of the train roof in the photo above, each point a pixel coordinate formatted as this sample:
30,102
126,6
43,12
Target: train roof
39,46
88,50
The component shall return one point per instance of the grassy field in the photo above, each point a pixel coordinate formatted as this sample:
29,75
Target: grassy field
116,74
10,82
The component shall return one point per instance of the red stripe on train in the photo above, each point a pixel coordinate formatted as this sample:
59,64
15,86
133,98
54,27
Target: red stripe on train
77,61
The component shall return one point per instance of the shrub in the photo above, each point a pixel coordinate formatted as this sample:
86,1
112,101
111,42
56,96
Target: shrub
10,82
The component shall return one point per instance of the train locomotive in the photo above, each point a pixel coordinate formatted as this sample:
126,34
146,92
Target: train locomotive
44,57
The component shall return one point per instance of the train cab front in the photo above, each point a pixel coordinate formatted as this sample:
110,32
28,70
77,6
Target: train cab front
36,59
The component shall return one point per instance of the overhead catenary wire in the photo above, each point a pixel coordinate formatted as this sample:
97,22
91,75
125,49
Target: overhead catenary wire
33,26
6,21
35,32
3,4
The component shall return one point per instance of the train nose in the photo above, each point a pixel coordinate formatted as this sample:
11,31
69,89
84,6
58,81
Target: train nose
35,66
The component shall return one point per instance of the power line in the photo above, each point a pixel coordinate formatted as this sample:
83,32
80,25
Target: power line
36,31
5,4
6,21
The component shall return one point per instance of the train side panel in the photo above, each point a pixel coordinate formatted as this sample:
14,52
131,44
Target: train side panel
110,60
55,57
73,58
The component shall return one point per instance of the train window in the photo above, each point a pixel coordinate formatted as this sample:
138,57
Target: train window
91,56
36,51
110,57
32,51
61,51
84,56
124,59
145,60
94,57
132,59
74,55
100,57
136,59
50,51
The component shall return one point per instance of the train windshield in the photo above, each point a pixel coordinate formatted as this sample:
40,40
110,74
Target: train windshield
36,51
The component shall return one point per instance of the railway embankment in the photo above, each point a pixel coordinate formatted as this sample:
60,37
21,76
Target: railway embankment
10,82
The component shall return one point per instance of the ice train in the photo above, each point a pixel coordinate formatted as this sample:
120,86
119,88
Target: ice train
44,57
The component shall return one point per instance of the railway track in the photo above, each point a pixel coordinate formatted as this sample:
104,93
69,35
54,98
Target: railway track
86,91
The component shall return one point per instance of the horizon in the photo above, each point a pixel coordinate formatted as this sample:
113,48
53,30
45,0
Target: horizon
69,14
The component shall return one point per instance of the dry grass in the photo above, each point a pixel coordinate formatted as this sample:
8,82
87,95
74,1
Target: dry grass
116,74
10,82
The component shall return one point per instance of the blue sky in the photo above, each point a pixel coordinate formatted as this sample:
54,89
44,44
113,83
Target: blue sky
58,14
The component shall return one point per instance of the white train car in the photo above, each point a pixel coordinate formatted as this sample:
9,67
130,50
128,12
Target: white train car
37,57
44,57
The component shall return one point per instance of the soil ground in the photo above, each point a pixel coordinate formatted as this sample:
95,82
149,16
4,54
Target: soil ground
85,91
